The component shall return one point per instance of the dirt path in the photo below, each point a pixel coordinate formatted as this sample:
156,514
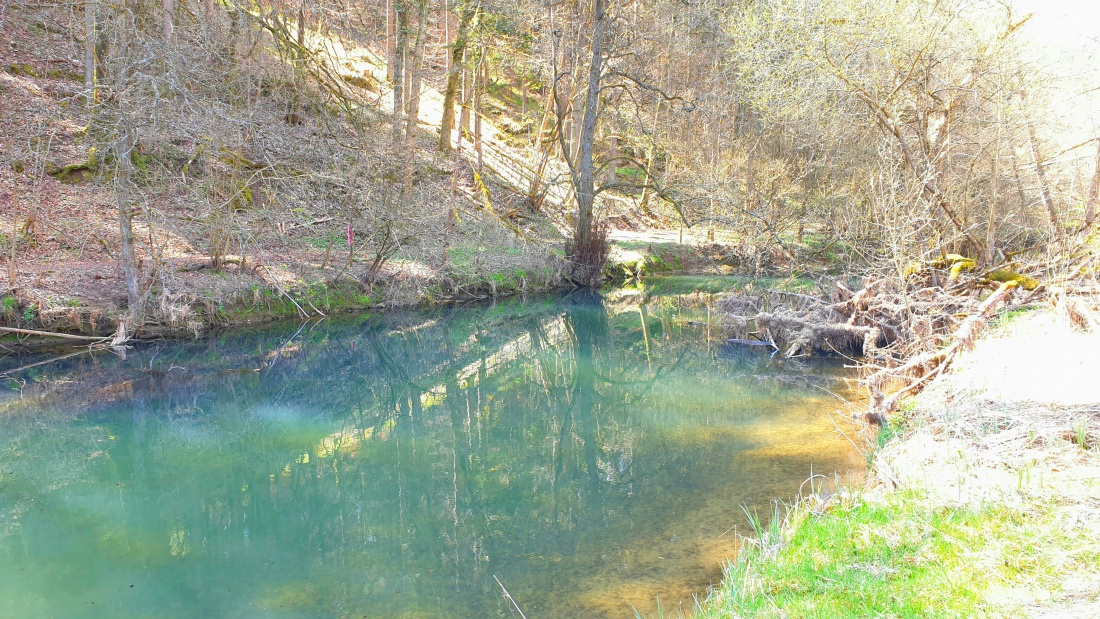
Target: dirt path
1016,424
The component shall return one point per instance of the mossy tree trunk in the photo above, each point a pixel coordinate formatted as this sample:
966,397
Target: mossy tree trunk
466,14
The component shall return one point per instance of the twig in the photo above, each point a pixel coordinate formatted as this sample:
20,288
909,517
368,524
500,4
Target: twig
323,315
285,294
509,597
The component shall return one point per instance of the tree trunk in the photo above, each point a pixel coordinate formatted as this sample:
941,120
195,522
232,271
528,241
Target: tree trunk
647,189
128,257
464,110
414,95
565,100
391,30
301,28
168,7
991,221
401,14
1094,190
1044,187
454,76
123,173
479,83
7,200
612,158
89,50
588,252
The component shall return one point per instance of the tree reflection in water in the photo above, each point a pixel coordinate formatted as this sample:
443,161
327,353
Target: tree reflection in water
588,456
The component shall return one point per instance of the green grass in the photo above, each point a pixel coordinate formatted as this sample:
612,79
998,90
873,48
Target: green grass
1006,318
897,557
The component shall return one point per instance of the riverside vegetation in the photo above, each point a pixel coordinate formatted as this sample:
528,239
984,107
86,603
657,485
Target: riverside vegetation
983,501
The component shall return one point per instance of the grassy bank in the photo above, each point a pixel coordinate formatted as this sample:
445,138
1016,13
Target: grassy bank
985,501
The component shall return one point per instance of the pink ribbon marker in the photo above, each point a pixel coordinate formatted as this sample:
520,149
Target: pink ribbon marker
349,235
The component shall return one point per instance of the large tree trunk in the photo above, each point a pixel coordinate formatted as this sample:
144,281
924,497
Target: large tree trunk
454,75
588,251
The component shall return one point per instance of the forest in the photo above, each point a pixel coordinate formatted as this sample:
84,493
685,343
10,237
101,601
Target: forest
204,159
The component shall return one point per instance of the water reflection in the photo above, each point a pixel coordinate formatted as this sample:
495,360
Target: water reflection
588,454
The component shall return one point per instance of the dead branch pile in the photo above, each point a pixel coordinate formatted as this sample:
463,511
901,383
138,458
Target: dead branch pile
904,335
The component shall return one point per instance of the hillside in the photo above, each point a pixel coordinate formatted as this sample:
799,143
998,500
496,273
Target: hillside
244,209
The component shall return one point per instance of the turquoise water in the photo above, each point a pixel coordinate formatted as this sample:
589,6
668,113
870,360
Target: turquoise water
588,454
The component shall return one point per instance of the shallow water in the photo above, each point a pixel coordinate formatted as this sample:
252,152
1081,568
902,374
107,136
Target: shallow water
589,454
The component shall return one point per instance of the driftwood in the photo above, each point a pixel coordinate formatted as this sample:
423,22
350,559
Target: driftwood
66,336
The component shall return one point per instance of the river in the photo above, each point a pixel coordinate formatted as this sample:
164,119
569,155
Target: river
587,454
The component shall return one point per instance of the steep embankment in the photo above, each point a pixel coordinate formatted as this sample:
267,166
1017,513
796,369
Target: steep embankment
250,183
985,500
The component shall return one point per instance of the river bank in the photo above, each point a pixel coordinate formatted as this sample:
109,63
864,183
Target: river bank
87,298
984,499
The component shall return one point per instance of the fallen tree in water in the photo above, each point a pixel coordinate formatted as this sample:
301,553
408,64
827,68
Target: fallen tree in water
903,335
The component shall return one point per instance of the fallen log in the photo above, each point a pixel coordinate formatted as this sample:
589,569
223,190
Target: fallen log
52,334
